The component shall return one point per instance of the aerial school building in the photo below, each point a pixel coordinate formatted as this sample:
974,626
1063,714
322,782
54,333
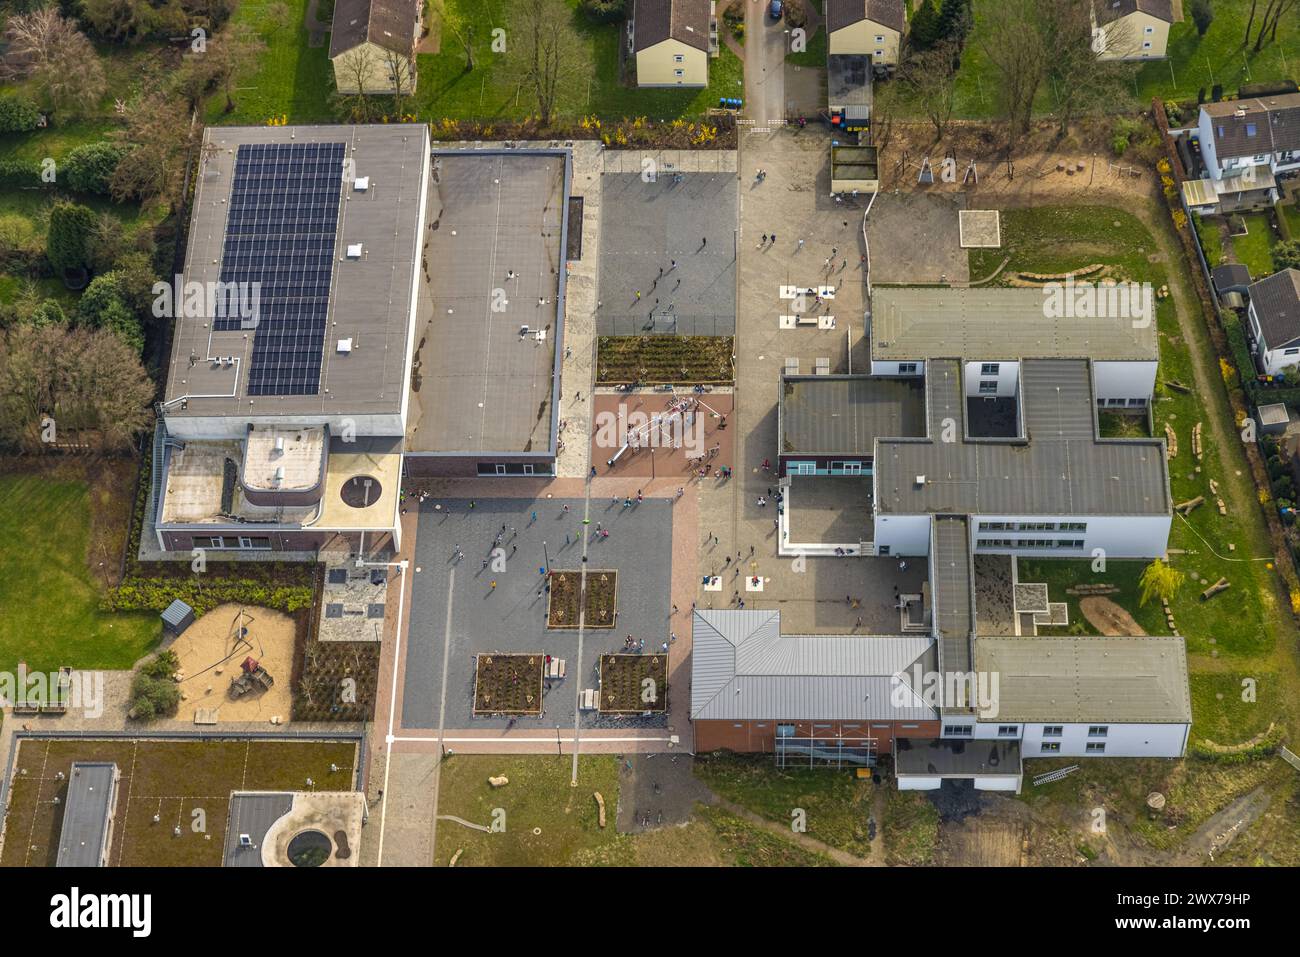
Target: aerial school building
354,307
977,438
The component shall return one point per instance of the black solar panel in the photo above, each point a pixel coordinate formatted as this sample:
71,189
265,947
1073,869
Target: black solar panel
280,233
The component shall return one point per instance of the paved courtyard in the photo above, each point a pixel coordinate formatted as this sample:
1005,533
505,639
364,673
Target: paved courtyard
916,238
645,226
456,613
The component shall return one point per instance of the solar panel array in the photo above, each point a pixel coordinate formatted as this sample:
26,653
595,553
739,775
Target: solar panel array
280,233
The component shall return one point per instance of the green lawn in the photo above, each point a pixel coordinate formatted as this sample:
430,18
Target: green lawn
291,79
491,91
1205,545
909,830
1195,62
815,54
1223,710
1255,249
1291,213
1219,56
836,804
49,595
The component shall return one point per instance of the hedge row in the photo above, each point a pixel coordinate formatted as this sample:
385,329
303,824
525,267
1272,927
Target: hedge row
1265,747
205,592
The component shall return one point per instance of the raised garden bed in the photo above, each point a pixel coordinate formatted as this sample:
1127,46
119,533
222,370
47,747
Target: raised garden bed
338,681
633,684
601,599
654,360
508,684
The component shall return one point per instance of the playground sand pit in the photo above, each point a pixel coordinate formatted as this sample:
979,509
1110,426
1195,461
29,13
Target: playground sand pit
1109,618
212,650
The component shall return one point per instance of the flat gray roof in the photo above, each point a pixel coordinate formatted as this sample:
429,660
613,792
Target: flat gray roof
996,323
743,667
494,265
842,414
88,814
1134,680
252,813
370,299
1057,471
952,587
956,758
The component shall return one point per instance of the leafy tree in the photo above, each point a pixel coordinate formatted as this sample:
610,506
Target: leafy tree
103,306
89,168
48,313
924,30
1202,14
66,241
154,693
1286,255
1159,581
954,20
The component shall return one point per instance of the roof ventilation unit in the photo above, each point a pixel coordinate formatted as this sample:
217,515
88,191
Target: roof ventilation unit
361,184
354,251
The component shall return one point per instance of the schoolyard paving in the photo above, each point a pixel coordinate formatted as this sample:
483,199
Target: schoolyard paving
457,612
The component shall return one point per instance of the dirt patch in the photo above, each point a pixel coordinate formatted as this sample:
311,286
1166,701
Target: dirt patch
212,650
1109,618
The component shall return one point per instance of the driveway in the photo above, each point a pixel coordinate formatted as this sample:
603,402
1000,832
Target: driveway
765,42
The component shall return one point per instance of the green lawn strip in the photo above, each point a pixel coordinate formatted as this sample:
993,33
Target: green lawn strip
1255,249
909,830
814,54
538,796
50,599
1291,212
290,78
836,805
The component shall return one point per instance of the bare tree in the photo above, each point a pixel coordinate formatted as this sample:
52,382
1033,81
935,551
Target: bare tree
459,25
546,51
233,52
85,381
1013,42
1081,76
63,65
401,71
931,76
1268,23
159,135
358,67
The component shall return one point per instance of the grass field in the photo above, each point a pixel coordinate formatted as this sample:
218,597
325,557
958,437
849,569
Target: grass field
1196,62
291,78
48,591
492,91
545,822
909,828
171,779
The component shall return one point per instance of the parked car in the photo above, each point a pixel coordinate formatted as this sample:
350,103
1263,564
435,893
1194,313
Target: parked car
775,10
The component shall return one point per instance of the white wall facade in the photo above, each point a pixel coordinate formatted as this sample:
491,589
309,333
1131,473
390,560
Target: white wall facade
890,367
1113,380
903,534
1005,374
1116,536
1121,740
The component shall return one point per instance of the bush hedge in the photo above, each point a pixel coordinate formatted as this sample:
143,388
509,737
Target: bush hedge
205,592
18,115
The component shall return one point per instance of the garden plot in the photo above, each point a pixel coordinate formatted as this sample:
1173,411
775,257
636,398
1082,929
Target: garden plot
601,603
508,684
633,684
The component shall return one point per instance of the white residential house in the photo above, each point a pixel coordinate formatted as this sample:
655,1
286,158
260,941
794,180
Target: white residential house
1245,146
1274,321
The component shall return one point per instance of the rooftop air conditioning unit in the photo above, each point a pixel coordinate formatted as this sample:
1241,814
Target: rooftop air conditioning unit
920,481
354,251
361,184
345,346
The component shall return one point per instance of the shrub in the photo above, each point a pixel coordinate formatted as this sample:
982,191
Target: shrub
102,306
65,245
154,693
88,167
18,115
1286,255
